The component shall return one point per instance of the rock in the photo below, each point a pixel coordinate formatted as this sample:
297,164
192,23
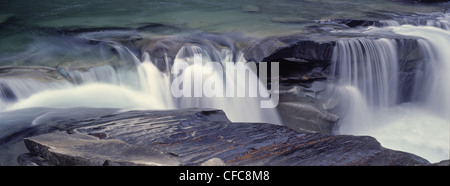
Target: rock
194,137
6,93
352,23
28,159
41,73
296,46
300,110
306,116
61,148
213,162
250,8
261,50
442,163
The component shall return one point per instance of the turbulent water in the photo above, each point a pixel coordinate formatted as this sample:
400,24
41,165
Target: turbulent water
87,54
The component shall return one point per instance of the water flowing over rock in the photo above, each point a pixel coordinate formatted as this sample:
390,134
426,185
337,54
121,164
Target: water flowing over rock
194,137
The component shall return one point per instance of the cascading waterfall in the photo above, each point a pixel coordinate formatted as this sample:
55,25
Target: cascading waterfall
227,82
367,79
433,88
145,86
12,90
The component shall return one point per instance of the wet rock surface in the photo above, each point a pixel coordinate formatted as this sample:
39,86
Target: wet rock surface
196,137
65,149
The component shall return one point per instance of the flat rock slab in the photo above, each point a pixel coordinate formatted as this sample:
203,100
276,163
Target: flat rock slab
193,137
61,148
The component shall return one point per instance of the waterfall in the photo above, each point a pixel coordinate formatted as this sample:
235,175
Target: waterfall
114,84
234,91
367,78
14,89
366,72
433,88
369,65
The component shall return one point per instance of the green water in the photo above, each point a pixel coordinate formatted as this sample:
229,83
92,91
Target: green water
22,22
260,17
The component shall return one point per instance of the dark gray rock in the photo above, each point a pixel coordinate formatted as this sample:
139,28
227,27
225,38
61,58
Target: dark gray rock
300,110
297,46
6,93
352,23
306,116
61,148
193,137
28,159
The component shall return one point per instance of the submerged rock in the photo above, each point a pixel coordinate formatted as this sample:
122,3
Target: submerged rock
196,137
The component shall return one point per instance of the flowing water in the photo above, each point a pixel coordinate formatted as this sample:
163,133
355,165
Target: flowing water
404,104
368,78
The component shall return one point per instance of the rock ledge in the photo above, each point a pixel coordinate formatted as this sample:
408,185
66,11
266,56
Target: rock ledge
196,137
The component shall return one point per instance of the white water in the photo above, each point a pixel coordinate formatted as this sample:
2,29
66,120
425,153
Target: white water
23,89
106,87
421,126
